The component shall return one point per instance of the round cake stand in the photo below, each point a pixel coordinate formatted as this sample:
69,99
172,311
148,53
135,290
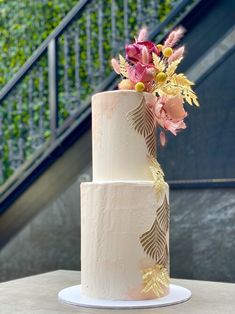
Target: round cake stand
73,296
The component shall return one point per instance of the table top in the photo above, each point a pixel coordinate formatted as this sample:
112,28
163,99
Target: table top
38,294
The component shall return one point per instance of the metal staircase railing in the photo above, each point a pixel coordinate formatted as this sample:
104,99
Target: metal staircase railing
51,92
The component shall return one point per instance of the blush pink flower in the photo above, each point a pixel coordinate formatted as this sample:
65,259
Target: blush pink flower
169,114
162,137
174,127
174,108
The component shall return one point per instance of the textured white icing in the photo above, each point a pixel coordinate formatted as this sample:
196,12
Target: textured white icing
113,217
119,152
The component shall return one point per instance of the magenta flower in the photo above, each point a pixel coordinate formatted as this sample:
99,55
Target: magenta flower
141,52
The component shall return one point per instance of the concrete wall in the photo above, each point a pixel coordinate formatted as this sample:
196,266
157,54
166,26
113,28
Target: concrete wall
51,240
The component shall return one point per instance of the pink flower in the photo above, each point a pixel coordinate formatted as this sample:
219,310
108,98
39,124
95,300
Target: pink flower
140,73
174,127
174,108
169,114
141,51
162,138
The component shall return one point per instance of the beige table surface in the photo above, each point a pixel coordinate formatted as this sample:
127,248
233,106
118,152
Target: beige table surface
38,294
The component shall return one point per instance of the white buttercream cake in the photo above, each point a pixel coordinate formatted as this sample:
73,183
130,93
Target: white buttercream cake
124,216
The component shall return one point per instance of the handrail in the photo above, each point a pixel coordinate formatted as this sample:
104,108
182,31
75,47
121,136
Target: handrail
50,45
42,48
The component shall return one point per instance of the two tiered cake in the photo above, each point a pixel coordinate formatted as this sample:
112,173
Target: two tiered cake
125,210
124,219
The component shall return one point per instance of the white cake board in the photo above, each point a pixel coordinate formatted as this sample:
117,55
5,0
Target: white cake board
73,296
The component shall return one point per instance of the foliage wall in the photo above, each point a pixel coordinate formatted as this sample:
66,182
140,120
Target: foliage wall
24,24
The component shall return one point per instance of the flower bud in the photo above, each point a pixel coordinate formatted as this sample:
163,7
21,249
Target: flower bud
161,77
167,52
126,84
139,87
160,47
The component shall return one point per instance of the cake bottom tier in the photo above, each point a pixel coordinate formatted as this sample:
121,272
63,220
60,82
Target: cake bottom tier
125,240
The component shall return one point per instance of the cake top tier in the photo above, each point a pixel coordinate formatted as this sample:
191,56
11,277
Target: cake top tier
151,93
119,152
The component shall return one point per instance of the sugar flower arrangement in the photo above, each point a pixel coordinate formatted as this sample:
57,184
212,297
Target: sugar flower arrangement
150,67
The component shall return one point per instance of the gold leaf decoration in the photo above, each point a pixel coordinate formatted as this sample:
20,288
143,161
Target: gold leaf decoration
181,80
177,85
193,97
169,89
164,259
158,63
158,175
155,279
150,141
141,118
172,67
154,241
162,215
185,92
123,66
184,84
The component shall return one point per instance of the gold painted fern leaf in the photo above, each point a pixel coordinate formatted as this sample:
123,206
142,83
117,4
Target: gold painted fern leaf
158,63
123,66
172,67
181,80
141,119
179,86
162,215
150,141
154,240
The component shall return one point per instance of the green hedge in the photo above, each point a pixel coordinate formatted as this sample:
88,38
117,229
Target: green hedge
24,24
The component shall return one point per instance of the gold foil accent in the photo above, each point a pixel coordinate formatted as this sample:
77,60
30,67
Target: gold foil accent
158,176
178,85
154,241
150,141
123,66
155,279
173,66
158,63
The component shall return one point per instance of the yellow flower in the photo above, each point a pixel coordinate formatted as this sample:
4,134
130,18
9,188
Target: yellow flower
161,77
160,47
139,87
167,52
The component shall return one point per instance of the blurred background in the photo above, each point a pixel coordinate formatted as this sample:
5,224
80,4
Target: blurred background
54,56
